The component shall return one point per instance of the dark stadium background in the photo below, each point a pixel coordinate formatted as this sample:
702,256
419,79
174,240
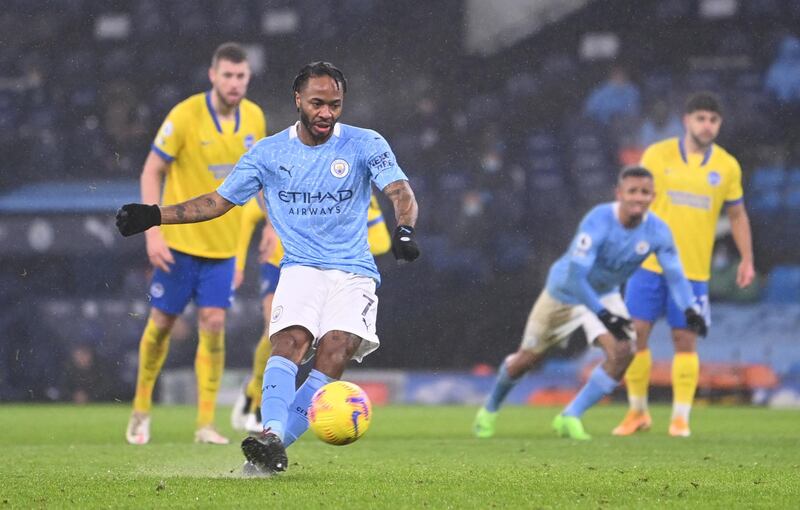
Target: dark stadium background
488,121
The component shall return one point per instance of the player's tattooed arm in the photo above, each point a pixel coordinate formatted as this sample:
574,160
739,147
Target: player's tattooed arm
202,208
405,204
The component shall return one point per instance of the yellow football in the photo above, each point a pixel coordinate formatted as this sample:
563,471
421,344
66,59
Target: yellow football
339,413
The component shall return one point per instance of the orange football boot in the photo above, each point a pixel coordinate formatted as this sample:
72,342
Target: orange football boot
679,428
633,422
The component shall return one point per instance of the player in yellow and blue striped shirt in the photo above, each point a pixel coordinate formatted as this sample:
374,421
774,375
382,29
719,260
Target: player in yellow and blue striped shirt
197,146
694,180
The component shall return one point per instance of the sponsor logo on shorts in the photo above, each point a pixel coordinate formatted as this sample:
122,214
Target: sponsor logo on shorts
276,313
157,290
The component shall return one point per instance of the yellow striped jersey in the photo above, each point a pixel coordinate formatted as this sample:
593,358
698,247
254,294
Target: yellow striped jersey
691,190
202,150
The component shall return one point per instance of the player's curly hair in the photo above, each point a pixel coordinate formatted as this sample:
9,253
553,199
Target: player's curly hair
634,171
319,68
703,101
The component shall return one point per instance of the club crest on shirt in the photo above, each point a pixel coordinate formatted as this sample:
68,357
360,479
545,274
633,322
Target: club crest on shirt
249,140
582,244
642,247
714,178
584,241
340,168
164,132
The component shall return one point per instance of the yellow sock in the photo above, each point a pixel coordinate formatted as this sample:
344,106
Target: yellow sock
260,357
153,349
685,374
208,365
637,379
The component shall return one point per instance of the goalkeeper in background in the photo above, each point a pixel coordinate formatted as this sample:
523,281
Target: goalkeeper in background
197,146
694,180
246,413
583,291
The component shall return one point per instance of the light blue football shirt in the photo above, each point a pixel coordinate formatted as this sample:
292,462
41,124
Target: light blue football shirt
604,254
317,196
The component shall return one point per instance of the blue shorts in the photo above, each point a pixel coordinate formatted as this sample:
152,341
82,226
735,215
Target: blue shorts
647,298
269,279
207,281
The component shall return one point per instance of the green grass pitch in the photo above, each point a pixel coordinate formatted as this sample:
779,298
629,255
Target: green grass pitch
57,456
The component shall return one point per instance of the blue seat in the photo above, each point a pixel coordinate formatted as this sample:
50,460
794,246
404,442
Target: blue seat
763,9
764,201
668,10
793,177
512,251
538,143
749,81
767,178
783,285
437,251
792,200
704,80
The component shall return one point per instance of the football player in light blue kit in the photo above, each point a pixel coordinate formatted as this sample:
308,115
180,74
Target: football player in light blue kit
583,291
317,177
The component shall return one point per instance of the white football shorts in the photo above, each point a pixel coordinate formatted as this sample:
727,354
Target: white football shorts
323,300
551,321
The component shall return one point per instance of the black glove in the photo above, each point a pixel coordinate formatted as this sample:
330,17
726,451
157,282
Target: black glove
136,218
695,321
404,247
618,326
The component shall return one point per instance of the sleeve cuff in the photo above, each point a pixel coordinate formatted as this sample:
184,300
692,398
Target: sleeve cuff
384,179
729,203
166,157
232,200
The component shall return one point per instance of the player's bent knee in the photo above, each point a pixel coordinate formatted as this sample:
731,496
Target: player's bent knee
620,356
162,320
684,340
521,362
335,349
625,356
643,329
211,319
291,343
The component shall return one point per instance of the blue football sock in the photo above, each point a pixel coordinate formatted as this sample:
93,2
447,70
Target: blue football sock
598,386
298,411
277,393
502,385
